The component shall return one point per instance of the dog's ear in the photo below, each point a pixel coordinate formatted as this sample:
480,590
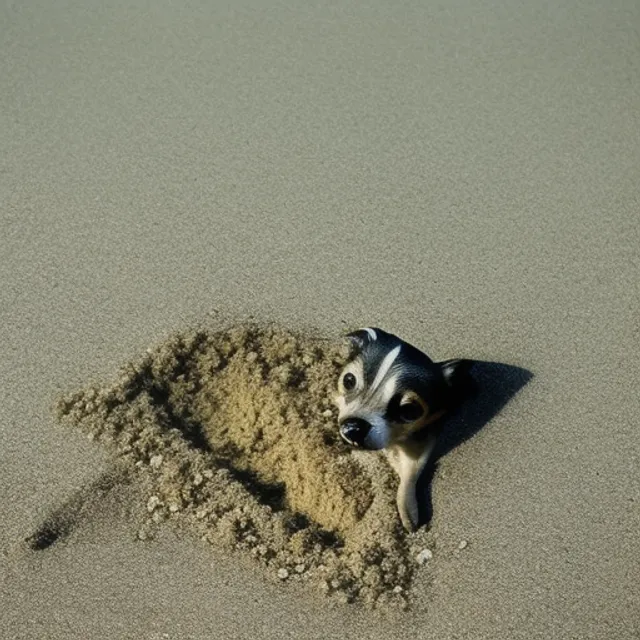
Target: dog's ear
457,374
362,337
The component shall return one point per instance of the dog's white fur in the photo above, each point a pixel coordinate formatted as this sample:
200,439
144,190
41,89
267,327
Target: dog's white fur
409,469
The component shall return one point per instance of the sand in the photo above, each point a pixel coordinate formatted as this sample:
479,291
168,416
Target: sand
238,436
463,175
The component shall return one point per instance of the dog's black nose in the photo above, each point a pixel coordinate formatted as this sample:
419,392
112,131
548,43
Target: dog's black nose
354,431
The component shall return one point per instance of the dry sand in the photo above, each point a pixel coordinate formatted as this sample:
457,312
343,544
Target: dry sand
463,174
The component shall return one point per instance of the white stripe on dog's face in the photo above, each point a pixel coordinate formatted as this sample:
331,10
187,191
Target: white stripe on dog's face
388,390
385,367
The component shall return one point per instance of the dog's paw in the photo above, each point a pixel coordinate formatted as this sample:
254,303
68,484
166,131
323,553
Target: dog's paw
408,523
408,506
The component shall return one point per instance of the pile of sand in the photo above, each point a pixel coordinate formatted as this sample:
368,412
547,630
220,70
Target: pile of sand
235,434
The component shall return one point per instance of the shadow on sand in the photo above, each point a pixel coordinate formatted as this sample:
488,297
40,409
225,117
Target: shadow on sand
494,385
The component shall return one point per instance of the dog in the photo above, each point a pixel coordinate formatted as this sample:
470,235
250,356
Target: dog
392,396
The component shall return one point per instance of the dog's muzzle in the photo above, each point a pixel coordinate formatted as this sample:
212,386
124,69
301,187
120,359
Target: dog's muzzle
354,431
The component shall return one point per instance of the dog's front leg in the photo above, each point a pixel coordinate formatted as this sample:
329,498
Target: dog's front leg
409,463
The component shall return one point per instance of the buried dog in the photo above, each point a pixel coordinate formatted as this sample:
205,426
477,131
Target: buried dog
391,396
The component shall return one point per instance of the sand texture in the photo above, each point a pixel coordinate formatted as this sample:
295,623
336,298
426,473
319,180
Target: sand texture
463,174
237,432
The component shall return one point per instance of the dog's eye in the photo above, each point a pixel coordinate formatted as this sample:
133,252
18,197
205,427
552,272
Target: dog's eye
410,411
349,381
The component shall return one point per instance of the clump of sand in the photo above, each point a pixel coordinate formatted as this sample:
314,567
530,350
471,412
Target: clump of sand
235,432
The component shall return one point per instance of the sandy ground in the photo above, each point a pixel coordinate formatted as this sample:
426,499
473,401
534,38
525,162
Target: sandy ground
463,174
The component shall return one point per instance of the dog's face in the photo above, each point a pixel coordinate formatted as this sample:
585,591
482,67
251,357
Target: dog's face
390,390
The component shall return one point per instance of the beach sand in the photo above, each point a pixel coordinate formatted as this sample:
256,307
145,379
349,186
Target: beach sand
464,175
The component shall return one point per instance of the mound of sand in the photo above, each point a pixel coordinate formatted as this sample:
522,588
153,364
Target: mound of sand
235,434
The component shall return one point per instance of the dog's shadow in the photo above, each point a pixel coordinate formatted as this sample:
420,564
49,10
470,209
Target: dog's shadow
494,384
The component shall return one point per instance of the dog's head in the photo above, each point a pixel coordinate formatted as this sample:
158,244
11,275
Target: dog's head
390,390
